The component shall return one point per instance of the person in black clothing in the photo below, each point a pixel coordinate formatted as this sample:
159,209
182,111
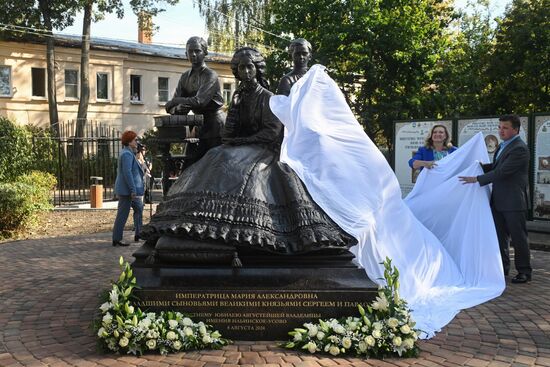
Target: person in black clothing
146,166
199,91
509,198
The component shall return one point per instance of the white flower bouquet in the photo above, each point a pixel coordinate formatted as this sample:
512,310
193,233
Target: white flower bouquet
384,329
124,328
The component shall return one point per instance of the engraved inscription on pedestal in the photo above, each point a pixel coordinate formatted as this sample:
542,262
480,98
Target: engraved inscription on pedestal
257,314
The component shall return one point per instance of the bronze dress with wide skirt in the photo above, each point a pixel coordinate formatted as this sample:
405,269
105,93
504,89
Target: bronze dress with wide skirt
240,194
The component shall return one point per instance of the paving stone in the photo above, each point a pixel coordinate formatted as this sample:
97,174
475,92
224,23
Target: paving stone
46,313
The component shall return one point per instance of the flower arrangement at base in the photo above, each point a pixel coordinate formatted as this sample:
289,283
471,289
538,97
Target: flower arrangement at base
126,329
384,329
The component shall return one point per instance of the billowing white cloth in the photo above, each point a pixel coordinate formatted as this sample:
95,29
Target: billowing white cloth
442,239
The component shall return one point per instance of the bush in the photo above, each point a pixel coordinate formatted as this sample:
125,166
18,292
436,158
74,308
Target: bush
25,148
44,150
16,148
22,199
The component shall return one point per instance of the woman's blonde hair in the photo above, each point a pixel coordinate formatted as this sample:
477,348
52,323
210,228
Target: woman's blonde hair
429,143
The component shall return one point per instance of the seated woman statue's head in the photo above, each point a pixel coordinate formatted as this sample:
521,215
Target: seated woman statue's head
248,66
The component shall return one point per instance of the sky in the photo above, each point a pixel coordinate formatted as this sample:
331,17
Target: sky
176,25
180,22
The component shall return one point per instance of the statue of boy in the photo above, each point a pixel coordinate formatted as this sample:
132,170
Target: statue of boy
199,91
300,51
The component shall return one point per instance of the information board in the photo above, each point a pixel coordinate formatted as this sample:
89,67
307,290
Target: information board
467,128
541,195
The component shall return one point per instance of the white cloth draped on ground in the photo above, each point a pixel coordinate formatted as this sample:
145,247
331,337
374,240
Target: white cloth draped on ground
448,263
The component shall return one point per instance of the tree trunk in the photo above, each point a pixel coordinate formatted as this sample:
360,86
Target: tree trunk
50,69
82,114
237,31
84,71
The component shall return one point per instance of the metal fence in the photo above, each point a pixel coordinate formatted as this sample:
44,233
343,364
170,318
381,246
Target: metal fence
82,151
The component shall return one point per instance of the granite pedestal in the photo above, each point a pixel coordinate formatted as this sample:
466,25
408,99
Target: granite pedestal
264,299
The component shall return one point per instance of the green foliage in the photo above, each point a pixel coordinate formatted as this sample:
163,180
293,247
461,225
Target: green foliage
460,77
396,59
16,148
22,199
148,138
30,13
519,72
381,53
44,150
233,23
25,148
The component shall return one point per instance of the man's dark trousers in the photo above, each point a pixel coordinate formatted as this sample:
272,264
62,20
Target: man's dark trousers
512,225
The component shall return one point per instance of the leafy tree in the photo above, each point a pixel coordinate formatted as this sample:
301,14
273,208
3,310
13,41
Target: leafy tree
381,52
519,72
45,16
95,10
460,77
234,23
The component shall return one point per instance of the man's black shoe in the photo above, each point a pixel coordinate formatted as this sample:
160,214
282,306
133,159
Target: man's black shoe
521,278
122,244
136,238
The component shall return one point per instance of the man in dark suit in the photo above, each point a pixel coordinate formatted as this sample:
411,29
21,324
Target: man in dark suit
509,200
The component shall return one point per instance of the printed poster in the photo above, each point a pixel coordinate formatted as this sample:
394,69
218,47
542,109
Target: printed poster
489,127
541,195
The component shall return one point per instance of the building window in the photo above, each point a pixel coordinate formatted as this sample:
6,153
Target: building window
5,81
38,82
71,83
102,85
135,88
226,92
163,89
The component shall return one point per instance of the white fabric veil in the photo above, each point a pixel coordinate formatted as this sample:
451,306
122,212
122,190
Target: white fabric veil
442,238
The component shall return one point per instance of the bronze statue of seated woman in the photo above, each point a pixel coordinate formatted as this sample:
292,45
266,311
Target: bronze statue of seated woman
239,197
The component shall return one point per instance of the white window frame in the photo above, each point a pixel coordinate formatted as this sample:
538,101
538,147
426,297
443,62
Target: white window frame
10,87
140,92
231,90
162,103
77,85
108,99
45,84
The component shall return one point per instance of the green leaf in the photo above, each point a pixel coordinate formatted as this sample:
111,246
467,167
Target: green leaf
121,261
361,310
